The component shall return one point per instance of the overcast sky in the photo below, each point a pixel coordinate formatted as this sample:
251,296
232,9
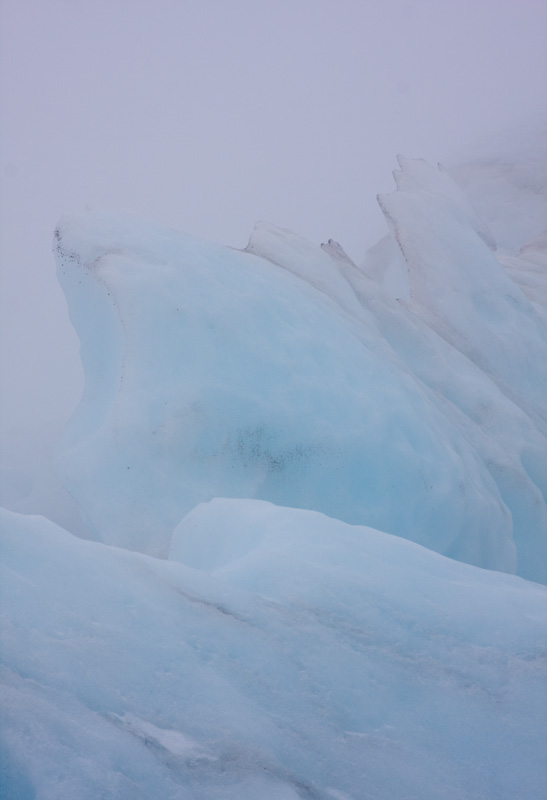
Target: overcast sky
208,115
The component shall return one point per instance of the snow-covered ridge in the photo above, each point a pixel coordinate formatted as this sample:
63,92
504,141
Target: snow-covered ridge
286,373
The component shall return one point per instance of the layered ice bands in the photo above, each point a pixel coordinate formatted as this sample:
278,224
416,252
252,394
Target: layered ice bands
286,373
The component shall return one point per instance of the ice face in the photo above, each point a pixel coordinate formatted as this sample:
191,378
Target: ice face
285,373
231,375
278,654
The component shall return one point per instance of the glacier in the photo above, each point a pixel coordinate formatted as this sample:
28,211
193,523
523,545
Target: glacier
313,546
278,654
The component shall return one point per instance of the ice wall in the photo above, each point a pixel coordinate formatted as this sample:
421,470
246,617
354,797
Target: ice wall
285,373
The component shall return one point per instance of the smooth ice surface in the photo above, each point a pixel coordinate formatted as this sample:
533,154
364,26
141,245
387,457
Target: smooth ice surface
408,394
279,655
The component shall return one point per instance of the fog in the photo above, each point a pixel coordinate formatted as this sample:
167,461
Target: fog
210,115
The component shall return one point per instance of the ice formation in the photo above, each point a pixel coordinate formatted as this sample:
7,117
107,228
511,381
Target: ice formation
285,373
286,459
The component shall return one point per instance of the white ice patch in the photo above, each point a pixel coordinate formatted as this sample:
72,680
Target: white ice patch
176,743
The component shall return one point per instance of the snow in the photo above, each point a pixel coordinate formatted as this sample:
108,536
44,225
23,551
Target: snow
279,653
313,500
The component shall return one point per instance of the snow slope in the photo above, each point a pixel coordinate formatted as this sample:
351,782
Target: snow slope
279,654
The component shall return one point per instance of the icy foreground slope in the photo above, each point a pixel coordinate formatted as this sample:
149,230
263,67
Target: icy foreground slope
286,373
286,655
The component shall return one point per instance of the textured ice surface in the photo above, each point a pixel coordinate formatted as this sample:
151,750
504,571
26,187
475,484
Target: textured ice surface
286,373
282,654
